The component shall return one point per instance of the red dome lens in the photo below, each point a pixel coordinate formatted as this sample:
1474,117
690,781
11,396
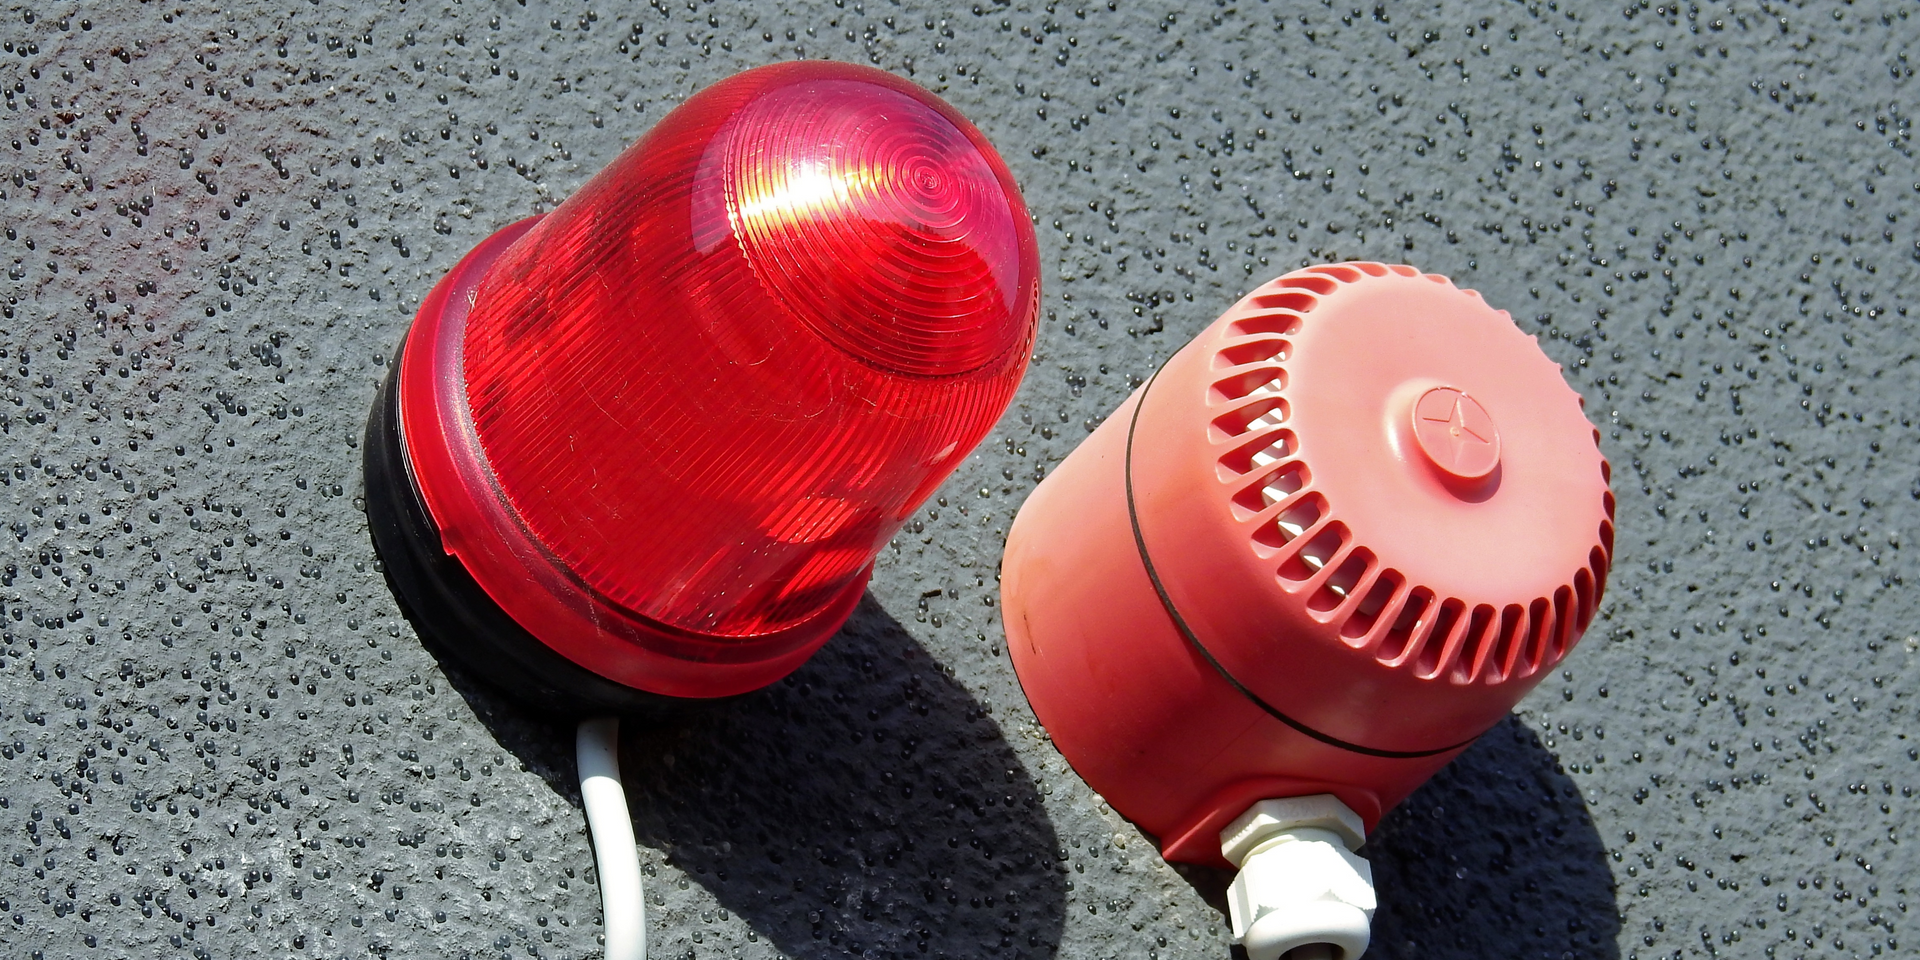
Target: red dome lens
688,407
879,223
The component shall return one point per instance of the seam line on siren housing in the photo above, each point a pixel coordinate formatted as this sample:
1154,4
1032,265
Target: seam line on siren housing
1180,623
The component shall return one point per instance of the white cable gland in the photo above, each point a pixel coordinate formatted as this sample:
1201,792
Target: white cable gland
1302,893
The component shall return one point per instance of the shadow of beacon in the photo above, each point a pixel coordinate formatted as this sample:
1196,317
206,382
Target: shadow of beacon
866,806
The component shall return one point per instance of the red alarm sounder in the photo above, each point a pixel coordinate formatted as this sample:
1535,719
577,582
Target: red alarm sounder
648,445
1333,540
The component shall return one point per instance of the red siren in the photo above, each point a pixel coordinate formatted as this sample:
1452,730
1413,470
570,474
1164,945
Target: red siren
1336,538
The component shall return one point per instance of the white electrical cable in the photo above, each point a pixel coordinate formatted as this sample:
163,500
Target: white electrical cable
614,851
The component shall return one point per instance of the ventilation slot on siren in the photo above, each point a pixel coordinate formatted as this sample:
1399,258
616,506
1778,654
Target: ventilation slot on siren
1340,584
1360,624
1271,418
1299,518
1254,455
1345,273
1466,663
1562,625
1259,351
1583,588
1270,489
1539,623
1319,285
1513,625
1291,302
1394,647
1434,646
1283,484
1291,523
1260,412
1260,381
1308,560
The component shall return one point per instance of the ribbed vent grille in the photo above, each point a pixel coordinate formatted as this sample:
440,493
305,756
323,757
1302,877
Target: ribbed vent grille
1297,531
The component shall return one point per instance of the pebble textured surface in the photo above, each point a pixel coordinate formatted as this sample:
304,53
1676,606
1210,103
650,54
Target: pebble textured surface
219,738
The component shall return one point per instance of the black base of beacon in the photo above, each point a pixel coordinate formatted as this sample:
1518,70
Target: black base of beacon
452,613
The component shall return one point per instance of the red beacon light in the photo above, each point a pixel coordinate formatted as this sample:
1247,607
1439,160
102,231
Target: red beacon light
647,446
1332,541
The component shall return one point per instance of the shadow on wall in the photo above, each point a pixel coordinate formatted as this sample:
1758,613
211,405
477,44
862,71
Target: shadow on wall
867,806
1496,856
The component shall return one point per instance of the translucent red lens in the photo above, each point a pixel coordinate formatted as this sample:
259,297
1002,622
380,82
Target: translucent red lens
878,222
713,383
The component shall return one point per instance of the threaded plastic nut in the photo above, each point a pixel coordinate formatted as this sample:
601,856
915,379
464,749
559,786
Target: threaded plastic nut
1300,884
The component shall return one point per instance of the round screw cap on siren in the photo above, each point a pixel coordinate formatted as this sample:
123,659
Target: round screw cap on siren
645,448
1336,536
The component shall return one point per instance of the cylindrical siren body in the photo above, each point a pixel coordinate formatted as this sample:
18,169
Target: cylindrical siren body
1332,541
665,428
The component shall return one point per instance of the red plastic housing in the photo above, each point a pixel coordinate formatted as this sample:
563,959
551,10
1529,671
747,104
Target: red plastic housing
1338,536
668,426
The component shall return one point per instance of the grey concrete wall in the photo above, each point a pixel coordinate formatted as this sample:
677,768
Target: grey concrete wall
219,738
